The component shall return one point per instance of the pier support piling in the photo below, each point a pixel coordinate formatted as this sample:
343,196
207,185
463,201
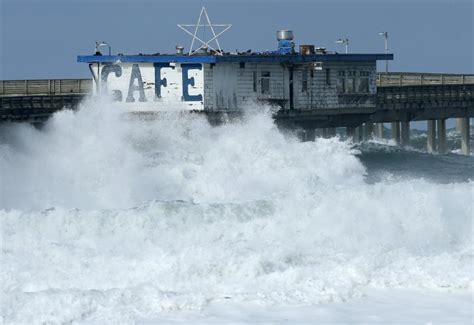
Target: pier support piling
350,133
329,132
441,126
379,130
458,124
396,131
431,144
359,133
405,133
368,130
310,134
465,136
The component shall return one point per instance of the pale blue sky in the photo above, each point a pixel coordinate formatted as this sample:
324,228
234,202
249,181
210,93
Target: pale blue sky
41,38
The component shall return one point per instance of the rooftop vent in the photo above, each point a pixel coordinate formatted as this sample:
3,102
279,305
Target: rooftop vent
285,42
179,50
285,35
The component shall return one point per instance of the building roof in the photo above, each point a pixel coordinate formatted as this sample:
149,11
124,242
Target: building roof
286,58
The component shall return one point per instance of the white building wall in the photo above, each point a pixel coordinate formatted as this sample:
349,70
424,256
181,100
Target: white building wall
230,86
117,85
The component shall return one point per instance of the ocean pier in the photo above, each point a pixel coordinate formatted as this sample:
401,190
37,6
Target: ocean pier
34,101
403,98
314,90
400,99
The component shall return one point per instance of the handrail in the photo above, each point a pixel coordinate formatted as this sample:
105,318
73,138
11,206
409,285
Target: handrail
84,86
426,93
417,79
45,87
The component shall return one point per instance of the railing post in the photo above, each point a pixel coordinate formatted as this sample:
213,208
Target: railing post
400,79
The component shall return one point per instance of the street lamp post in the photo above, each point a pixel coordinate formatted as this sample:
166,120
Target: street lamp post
99,44
385,35
344,41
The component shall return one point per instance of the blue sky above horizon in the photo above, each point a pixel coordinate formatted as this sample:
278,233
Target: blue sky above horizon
41,39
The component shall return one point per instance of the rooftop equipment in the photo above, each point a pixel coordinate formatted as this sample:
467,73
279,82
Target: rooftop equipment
179,50
321,50
306,49
285,35
285,42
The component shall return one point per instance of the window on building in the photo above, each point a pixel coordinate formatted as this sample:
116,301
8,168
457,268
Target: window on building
255,81
328,76
350,85
341,82
265,82
304,80
363,82
349,81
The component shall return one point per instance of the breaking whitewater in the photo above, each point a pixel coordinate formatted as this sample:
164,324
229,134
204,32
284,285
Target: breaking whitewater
109,219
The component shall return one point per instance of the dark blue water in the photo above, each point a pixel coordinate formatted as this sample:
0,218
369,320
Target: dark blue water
384,161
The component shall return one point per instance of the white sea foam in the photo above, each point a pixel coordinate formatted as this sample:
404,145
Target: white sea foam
112,219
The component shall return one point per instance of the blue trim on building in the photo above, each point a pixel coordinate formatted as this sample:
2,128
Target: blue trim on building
299,58
146,58
289,58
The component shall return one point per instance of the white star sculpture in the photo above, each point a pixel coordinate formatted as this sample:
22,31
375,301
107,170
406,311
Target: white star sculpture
196,28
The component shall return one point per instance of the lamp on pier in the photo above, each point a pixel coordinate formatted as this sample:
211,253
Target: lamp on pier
344,41
99,44
385,35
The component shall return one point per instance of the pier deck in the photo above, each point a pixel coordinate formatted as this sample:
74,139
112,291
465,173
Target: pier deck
35,100
401,98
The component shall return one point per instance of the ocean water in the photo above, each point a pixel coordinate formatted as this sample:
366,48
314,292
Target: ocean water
111,219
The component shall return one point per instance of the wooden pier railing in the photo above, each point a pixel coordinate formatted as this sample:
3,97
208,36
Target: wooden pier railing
84,86
45,87
419,79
